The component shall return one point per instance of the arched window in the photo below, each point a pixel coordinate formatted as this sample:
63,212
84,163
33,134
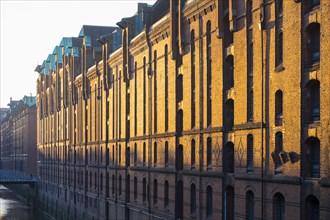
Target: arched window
155,154
249,160
144,95
113,184
229,203
144,190
278,207
249,33
179,123
95,180
278,149
249,205
209,202
119,185
179,88
279,32
166,154
228,38
229,158
229,65
313,43
155,191
209,153
312,158
193,154
135,188
166,194
229,115
144,154
135,154
193,200
179,157
278,108
101,181
312,210
311,101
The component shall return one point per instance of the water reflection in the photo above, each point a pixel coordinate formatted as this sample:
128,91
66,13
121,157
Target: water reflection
14,208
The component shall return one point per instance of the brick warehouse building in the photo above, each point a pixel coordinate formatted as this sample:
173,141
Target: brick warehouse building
196,109
18,136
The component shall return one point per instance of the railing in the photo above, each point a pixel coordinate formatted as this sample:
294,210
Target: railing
10,177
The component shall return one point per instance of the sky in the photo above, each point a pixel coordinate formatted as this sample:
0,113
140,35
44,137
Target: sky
31,29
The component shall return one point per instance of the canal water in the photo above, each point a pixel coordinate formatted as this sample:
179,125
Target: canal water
13,207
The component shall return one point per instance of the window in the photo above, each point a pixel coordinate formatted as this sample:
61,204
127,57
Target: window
155,154
144,190
249,33
250,107
155,91
101,181
166,87
278,148
209,202
229,203
311,164
128,156
229,158
209,153
166,154
113,184
135,188
311,101
192,78
249,205
144,154
229,72
179,158
179,123
279,33
278,207
166,194
229,115
95,180
119,154
249,160
155,191
193,154
119,185
180,88
209,72
312,210
228,34
135,154
278,108
313,44
193,200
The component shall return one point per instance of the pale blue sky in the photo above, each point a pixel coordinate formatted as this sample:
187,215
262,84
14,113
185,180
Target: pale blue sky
31,29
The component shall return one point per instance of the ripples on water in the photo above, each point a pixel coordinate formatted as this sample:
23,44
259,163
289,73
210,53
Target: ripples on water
13,208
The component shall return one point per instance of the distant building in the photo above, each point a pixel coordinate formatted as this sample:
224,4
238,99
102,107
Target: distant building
19,135
197,109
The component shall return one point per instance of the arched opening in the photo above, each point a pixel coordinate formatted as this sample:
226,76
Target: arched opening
312,44
166,194
179,123
179,200
229,115
193,154
312,210
312,158
179,88
229,158
209,202
311,101
166,154
249,205
229,203
155,154
209,153
179,158
193,200
278,207
155,191
278,108
229,65
249,156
